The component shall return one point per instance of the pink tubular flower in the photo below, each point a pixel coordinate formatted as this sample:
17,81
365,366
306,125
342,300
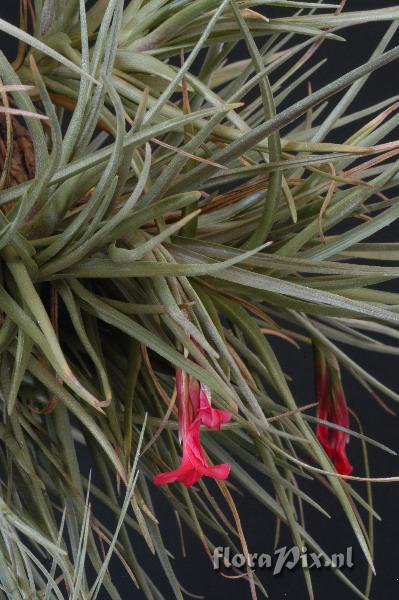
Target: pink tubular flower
200,397
194,404
331,407
193,465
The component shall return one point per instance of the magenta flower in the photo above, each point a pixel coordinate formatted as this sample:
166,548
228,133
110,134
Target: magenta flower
193,465
194,405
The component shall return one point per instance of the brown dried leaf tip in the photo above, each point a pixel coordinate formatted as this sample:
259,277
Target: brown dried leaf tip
22,167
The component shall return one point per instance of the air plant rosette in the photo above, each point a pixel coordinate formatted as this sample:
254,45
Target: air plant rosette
169,209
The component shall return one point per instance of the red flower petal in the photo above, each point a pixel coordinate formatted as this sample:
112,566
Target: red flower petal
193,465
212,418
331,407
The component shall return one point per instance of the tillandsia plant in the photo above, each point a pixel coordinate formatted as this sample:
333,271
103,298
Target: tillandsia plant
168,208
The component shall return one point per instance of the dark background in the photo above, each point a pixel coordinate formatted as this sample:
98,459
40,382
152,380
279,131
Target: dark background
194,571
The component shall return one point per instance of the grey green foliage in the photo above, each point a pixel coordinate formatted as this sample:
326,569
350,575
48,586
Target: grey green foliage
181,203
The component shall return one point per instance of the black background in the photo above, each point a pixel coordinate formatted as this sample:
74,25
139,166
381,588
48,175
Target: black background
194,571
